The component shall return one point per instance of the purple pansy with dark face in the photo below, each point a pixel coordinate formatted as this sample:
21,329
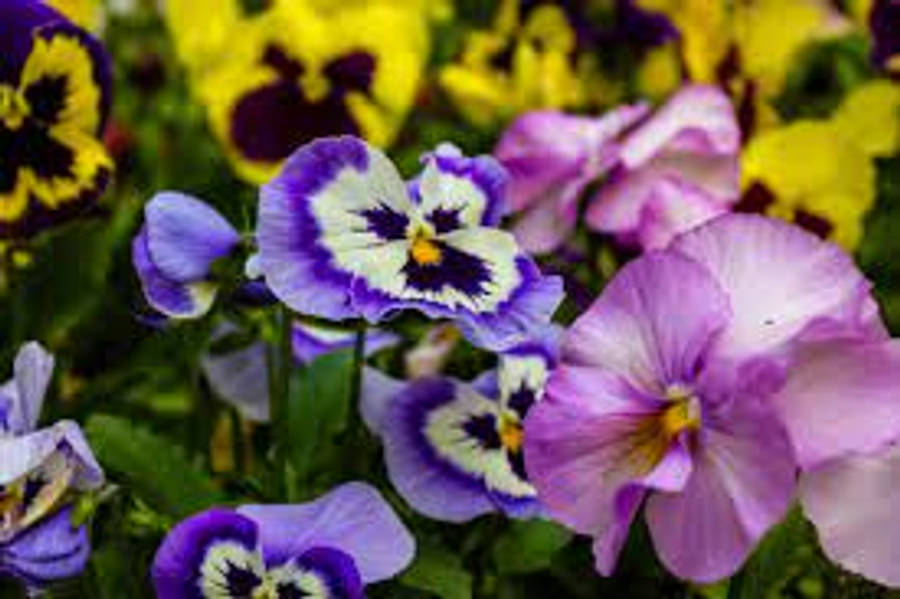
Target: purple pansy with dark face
174,250
700,381
341,236
54,100
454,449
38,470
328,548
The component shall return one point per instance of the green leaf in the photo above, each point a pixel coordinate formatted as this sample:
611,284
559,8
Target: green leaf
784,552
439,571
317,414
157,470
528,546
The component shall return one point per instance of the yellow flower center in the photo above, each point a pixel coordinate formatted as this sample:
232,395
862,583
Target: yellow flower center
683,414
511,435
424,250
13,107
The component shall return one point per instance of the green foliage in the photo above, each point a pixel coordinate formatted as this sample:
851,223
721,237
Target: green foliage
440,572
529,546
155,469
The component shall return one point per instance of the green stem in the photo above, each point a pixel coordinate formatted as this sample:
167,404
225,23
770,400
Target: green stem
280,363
355,432
736,585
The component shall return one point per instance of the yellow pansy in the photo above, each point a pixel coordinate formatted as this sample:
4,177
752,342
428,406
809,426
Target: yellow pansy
84,13
525,61
820,173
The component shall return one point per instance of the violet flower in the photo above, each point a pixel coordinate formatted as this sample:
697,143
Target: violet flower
330,547
340,236
454,449
664,173
174,250
38,470
699,382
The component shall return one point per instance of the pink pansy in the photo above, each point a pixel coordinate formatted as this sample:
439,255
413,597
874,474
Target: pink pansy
700,381
666,173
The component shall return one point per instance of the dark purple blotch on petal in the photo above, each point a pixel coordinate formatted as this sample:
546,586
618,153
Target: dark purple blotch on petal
457,269
295,119
334,568
386,222
884,21
484,428
445,220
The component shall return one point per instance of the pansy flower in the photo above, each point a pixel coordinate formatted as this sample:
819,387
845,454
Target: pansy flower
527,60
665,173
341,236
454,449
290,73
698,383
240,377
88,14
820,174
39,469
884,21
174,250
54,99
330,548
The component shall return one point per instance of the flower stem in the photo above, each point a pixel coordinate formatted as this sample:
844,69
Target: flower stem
736,585
279,366
355,432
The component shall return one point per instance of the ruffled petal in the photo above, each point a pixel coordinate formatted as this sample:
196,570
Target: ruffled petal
854,503
352,518
334,201
455,191
841,398
185,236
240,379
311,341
24,393
674,206
21,455
652,324
806,282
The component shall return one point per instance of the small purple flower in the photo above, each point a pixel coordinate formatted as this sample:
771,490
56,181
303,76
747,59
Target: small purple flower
330,547
699,382
884,21
240,377
341,236
38,468
174,250
665,174
454,449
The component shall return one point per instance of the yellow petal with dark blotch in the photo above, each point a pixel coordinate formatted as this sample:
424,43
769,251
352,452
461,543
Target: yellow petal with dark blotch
91,161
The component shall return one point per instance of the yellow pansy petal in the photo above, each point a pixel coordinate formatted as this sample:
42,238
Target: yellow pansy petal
870,117
660,72
480,96
201,47
87,14
90,165
14,203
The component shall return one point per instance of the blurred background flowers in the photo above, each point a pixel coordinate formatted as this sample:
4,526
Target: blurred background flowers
622,123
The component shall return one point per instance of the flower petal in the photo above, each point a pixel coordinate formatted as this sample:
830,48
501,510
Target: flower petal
652,323
841,398
50,550
319,572
352,518
33,369
185,236
334,195
742,484
21,455
673,206
854,504
471,191
311,340
806,282
240,379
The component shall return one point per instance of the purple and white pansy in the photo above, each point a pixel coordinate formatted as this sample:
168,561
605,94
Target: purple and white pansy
342,236
174,250
454,449
39,470
329,548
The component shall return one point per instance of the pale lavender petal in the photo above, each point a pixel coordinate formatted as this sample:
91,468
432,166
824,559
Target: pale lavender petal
652,324
377,392
546,224
178,565
854,503
697,119
185,236
21,455
742,483
805,281
174,299
312,340
841,398
50,550
32,371
240,378
352,518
